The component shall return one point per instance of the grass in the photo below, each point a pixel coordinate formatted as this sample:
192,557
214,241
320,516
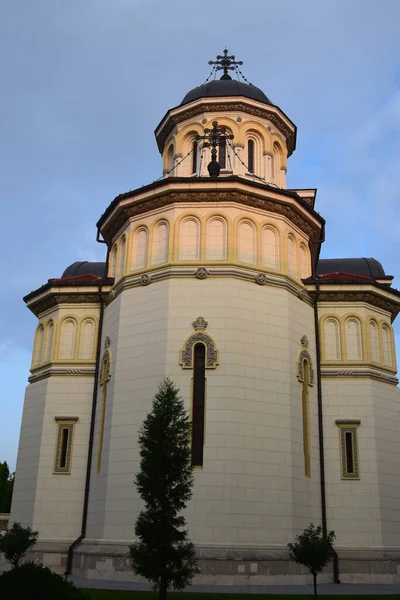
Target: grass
131,595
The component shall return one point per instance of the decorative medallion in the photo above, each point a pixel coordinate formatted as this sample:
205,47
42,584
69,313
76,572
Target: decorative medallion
201,273
145,279
261,278
200,323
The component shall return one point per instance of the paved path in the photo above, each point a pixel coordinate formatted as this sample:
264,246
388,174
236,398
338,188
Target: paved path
324,589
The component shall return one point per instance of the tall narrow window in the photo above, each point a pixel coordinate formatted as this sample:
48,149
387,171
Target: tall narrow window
222,154
64,438
67,340
194,157
114,260
199,385
105,376
270,248
160,244
304,269
332,339
86,342
349,448
306,419
292,258
250,156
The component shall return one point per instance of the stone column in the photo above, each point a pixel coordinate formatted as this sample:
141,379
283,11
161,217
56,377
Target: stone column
268,175
177,171
282,182
238,167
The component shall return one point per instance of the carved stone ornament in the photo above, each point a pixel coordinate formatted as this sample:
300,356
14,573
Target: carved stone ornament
261,278
106,362
145,279
303,295
302,356
201,273
186,354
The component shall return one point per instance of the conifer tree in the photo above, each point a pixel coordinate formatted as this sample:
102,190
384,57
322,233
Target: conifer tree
163,553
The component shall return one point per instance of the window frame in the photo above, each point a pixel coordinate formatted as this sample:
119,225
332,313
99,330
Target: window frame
64,424
349,426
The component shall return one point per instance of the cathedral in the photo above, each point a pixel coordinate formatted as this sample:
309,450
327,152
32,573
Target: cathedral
285,361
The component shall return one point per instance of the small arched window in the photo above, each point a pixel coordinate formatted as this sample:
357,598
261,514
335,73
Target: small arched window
49,341
114,261
292,258
304,269
160,244
332,339
139,249
222,154
374,341
170,158
270,248
189,239
86,342
247,242
37,359
276,170
387,346
67,340
216,239
250,156
352,329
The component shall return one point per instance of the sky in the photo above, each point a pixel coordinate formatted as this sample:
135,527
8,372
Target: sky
85,83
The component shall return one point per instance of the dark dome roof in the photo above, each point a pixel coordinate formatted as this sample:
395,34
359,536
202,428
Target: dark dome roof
85,268
226,87
367,267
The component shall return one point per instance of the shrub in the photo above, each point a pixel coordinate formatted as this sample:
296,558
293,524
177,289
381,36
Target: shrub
31,581
16,541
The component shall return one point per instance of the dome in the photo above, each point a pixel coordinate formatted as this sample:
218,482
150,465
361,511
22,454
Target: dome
226,87
366,267
84,268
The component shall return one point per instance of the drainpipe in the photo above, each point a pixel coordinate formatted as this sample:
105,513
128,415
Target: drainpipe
320,413
92,424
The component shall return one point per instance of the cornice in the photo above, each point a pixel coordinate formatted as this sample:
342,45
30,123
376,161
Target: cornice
50,299
294,213
171,121
358,372
390,305
201,272
53,370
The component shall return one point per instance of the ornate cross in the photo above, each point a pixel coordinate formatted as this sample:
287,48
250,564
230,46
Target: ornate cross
214,137
225,62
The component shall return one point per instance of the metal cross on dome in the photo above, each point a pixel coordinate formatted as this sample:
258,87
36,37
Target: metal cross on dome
225,62
214,137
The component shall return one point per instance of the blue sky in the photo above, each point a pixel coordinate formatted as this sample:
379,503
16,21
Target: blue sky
85,82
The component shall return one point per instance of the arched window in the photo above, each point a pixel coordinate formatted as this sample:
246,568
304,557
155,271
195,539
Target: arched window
114,261
216,239
222,154
304,268
276,164
194,157
306,418
292,258
332,339
189,239
160,244
139,249
49,341
374,341
270,248
352,329
247,242
86,342
250,156
37,359
170,158
121,263
67,340
199,386
387,346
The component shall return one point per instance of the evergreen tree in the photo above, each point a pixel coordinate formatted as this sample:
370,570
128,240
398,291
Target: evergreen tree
163,553
313,549
6,487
